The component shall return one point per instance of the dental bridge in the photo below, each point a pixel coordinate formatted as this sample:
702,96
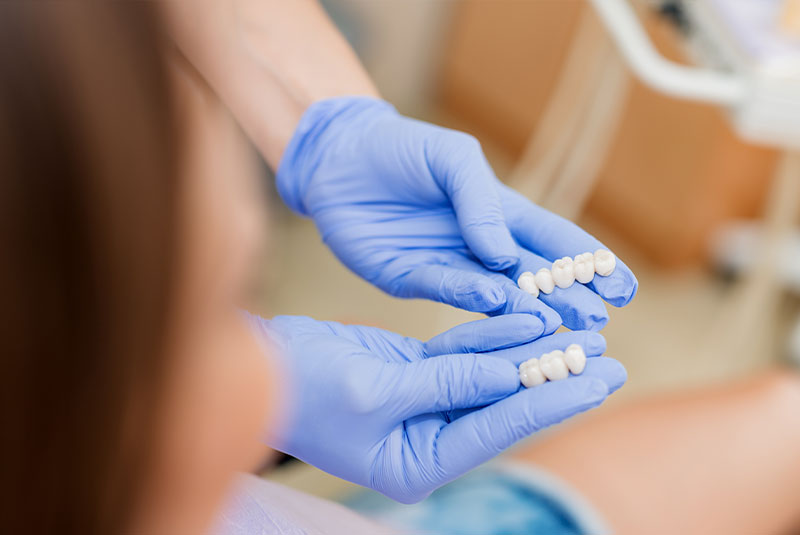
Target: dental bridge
557,365
553,366
566,271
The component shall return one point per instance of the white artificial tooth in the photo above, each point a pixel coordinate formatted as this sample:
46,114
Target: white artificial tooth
604,262
564,272
586,257
531,362
575,358
527,283
583,266
530,374
544,280
553,366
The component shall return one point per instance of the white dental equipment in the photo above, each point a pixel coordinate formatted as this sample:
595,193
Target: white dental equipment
752,68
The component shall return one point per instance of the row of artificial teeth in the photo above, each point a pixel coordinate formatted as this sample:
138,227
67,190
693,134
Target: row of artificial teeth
552,366
567,270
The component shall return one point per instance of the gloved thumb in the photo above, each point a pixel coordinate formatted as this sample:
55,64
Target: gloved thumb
449,382
459,166
488,334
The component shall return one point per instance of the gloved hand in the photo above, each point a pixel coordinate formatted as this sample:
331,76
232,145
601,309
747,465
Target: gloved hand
416,210
368,405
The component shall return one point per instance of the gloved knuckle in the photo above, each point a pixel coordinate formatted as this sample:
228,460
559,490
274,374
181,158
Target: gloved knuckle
459,149
483,340
360,401
490,217
475,371
530,328
466,141
448,283
532,419
449,379
398,284
467,294
448,389
358,397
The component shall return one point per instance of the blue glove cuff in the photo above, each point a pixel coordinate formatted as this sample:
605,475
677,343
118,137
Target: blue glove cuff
318,126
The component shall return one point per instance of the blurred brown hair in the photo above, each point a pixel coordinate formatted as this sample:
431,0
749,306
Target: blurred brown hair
88,186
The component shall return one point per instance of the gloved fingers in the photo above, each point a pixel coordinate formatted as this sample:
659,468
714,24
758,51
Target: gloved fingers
467,290
459,166
517,301
482,434
448,382
607,369
578,306
593,344
486,335
521,302
554,237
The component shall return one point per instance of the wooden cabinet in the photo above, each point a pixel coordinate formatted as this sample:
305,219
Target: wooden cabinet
675,171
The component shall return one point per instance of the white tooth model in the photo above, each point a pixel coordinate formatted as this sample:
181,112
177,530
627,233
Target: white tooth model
553,366
575,358
530,374
566,271
527,283
563,272
583,266
604,262
544,281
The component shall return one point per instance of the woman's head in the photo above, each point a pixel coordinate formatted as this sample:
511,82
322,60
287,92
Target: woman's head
130,387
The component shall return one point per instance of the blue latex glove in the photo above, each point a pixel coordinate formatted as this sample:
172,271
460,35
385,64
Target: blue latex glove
369,405
416,210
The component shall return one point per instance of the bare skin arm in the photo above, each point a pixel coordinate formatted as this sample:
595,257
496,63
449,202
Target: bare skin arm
720,460
268,60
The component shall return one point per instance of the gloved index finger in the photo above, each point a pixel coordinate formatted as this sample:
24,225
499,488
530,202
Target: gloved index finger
449,382
593,344
487,334
458,164
554,237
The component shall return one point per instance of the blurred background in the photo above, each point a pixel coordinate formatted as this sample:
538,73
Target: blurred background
670,185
